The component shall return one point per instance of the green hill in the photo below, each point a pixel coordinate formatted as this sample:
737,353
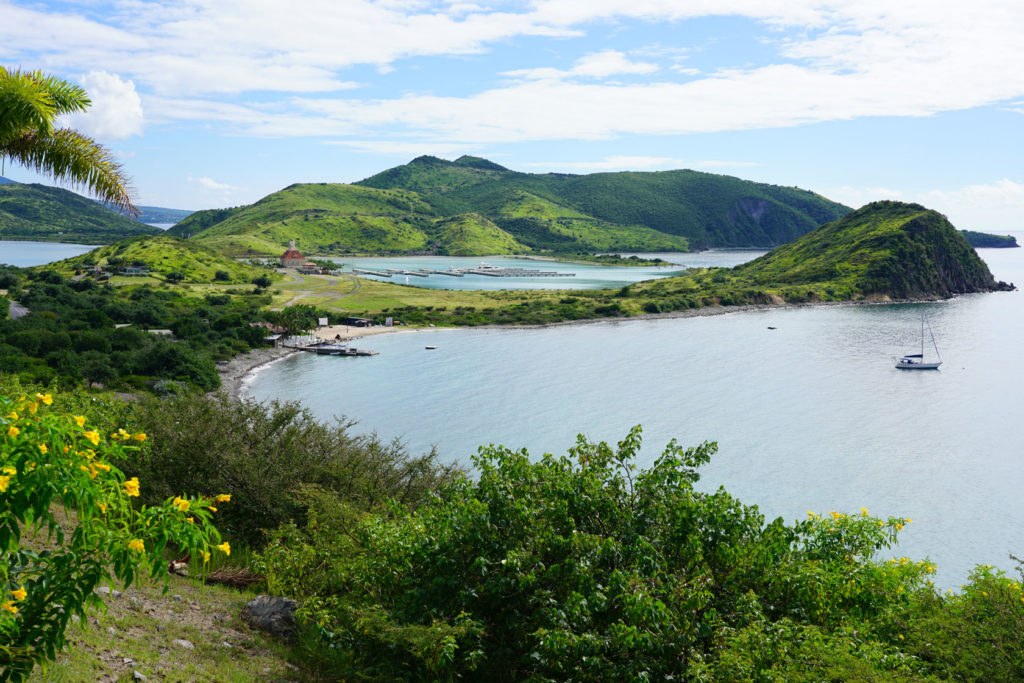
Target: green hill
885,250
162,255
320,217
160,214
41,212
470,234
401,210
705,209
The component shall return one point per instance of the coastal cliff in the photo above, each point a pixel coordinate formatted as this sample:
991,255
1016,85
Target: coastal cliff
893,249
883,251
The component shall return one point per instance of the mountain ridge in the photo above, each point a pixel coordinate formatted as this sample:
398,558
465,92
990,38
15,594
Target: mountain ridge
553,212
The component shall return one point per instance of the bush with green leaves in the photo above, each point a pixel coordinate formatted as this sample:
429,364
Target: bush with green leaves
264,454
584,568
68,523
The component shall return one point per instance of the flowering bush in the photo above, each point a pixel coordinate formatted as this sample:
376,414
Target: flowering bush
67,523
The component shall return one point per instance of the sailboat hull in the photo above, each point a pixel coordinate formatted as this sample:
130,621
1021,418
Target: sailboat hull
904,365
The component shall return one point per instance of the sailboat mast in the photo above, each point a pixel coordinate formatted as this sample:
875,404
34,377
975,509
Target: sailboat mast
922,336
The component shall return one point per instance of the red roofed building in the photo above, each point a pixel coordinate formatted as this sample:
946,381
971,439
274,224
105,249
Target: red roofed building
292,258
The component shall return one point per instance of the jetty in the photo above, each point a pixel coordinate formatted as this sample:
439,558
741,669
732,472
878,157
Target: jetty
320,347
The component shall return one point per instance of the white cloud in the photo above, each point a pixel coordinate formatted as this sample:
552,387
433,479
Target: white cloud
833,61
116,110
596,65
995,206
208,183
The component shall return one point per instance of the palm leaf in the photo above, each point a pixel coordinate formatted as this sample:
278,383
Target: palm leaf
77,160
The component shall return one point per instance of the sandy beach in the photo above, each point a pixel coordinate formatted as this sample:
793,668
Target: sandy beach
233,372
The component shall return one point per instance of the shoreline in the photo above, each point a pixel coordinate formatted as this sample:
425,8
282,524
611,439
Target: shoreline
235,372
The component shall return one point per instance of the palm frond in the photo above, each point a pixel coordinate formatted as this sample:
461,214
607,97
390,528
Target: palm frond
67,97
25,106
77,160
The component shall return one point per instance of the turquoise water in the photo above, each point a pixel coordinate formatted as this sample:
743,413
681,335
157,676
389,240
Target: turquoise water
810,415
584,276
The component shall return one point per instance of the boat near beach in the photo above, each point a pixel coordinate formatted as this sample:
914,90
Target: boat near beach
332,349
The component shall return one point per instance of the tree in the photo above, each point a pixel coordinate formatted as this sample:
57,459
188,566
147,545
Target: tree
585,568
52,461
30,103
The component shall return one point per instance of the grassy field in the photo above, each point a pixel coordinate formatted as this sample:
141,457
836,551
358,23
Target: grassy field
349,294
143,629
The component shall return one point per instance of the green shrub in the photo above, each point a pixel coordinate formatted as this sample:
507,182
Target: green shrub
583,568
263,455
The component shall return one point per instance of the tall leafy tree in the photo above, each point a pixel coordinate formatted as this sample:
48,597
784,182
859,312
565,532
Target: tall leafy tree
30,104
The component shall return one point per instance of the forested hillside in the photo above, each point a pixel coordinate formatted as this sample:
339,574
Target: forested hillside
409,208
41,212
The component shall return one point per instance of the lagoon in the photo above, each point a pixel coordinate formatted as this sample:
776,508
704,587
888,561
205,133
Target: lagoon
810,415
25,254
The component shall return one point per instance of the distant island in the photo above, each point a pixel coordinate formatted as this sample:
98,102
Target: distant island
983,240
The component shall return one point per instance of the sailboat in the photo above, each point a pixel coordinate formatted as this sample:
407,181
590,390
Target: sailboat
916,361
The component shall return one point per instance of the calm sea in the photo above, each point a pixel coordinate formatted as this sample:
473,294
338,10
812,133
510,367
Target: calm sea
26,254
810,415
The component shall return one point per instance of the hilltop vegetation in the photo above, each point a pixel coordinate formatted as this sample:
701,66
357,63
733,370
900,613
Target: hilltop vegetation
885,250
40,212
409,209
707,210
166,257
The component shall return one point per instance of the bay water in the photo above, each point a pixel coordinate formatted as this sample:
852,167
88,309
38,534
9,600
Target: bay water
804,402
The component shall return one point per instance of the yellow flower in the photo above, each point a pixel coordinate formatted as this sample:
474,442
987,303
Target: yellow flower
223,498
206,558
45,398
9,470
863,512
13,431
12,415
121,435
5,481
139,437
80,420
9,606
211,508
19,593
43,448
180,503
190,520
907,520
101,466
102,507
137,545
811,514
33,407
225,548
93,436
131,487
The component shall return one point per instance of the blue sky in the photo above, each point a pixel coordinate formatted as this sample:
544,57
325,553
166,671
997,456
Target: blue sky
213,103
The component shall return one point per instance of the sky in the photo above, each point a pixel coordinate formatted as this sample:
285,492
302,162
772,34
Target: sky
216,103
